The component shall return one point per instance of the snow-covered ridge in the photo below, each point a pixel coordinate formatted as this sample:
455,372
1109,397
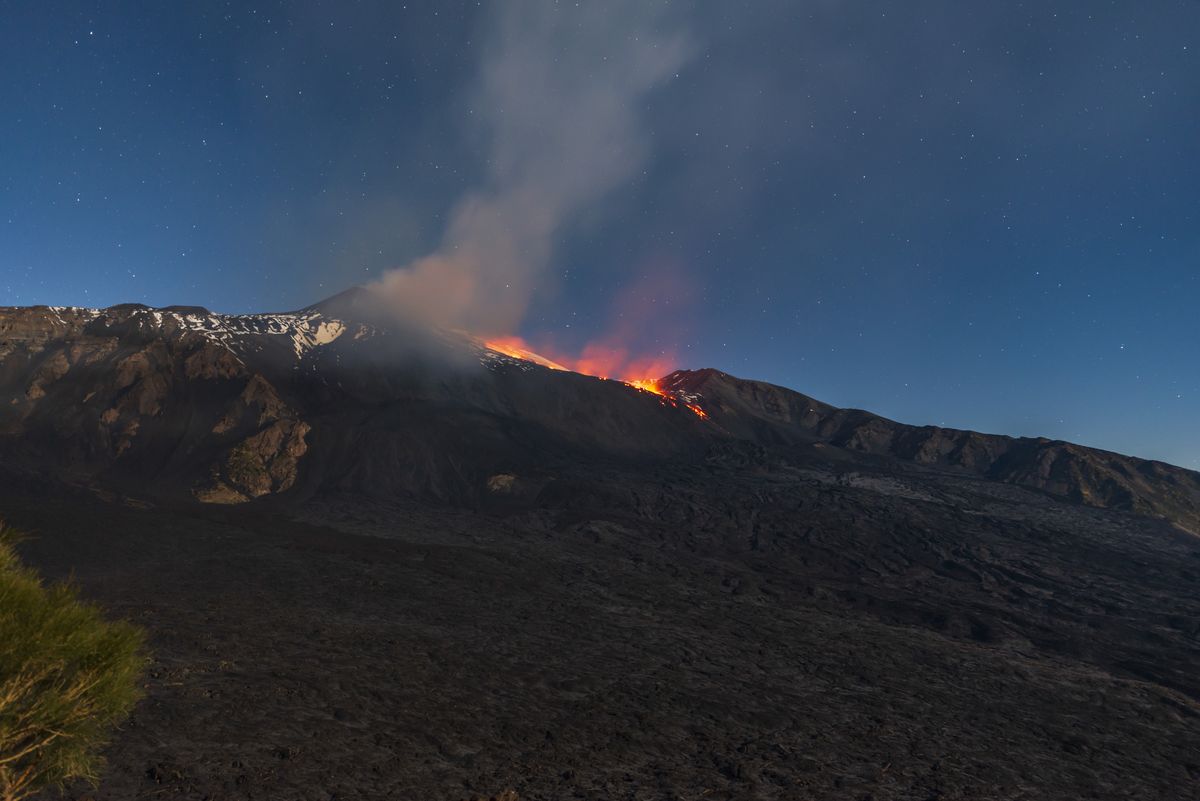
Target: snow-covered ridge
305,331
57,312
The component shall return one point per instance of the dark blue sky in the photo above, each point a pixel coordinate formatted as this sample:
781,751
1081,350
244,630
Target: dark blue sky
982,215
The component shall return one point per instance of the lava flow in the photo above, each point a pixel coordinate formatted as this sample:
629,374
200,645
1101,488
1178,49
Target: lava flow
652,385
609,363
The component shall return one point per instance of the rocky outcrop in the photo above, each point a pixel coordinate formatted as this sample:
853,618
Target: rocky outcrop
263,462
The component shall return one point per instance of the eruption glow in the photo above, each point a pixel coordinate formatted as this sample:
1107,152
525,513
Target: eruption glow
603,361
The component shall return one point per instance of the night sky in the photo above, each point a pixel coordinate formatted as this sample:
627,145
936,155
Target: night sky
979,215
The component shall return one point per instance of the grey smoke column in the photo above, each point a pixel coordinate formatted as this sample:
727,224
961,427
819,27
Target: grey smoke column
558,94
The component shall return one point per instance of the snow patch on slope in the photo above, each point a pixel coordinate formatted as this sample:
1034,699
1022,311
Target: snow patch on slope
304,331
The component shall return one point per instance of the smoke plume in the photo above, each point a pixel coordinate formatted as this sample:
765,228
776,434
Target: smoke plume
557,98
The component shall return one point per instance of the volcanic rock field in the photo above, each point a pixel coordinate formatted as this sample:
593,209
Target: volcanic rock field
377,564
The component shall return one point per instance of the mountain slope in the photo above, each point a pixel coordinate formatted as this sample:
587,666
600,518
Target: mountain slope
773,415
179,401
182,402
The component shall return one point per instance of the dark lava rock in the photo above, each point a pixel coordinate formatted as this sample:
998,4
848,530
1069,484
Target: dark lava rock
449,572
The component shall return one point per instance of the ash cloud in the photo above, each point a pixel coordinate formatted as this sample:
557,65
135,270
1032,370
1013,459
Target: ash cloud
558,98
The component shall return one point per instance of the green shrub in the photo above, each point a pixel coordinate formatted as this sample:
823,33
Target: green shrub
67,676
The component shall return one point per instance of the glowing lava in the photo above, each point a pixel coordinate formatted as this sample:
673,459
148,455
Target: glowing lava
648,385
516,348
602,361
652,385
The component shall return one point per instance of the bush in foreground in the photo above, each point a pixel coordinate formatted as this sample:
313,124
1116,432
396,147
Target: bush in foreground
67,676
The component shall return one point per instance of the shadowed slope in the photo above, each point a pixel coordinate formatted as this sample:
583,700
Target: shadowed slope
773,415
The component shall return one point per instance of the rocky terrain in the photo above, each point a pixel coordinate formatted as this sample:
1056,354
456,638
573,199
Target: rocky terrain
384,563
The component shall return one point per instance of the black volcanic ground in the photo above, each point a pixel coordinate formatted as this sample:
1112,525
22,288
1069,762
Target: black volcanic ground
440,585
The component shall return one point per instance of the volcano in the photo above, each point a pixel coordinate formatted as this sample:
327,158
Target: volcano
379,561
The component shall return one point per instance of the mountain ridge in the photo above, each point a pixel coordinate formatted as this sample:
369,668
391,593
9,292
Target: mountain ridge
225,408
1091,476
